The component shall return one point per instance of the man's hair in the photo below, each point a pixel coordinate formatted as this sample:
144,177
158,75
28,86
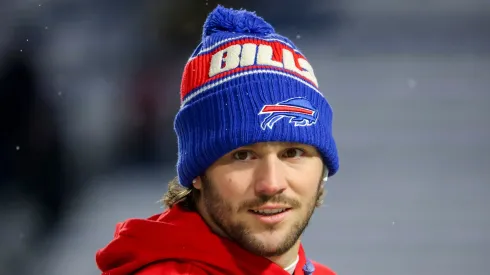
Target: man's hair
178,194
187,197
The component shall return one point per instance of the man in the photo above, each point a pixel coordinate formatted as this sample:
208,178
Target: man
255,142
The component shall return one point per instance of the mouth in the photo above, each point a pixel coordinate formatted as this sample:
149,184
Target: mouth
270,216
268,212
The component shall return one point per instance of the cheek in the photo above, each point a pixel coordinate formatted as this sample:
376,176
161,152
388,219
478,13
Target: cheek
305,178
305,184
234,187
231,192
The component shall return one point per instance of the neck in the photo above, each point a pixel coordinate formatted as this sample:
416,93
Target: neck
287,258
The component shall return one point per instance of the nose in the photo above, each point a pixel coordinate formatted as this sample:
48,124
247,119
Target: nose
269,177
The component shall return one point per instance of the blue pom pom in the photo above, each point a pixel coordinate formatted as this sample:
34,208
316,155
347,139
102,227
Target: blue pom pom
237,21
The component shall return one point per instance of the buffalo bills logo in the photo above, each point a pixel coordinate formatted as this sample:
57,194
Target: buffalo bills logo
299,111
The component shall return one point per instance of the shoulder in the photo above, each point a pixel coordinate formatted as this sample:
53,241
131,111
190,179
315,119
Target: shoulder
322,270
170,268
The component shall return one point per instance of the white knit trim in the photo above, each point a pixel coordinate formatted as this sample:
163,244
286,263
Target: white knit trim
240,37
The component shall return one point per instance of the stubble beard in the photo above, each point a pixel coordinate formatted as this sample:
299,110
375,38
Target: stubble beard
221,213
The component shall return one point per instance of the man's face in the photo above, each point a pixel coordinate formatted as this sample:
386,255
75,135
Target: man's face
262,196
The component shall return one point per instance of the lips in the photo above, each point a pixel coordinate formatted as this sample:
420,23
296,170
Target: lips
270,215
268,212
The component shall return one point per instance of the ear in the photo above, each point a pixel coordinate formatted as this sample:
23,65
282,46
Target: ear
197,183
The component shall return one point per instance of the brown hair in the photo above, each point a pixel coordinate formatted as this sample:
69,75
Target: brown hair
187,197
178,194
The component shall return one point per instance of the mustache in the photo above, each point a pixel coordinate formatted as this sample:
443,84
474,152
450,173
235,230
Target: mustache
279,199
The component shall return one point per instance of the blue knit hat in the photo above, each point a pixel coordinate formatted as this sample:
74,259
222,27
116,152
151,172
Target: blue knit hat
245,84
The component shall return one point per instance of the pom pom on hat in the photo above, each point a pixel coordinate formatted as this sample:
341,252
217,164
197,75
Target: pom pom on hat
236,21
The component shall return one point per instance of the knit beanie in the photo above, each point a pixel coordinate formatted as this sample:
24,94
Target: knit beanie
245,84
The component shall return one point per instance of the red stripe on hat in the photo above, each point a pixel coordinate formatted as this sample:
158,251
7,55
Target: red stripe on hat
283,108
196,72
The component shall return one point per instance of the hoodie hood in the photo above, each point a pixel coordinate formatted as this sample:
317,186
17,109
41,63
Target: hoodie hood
180,235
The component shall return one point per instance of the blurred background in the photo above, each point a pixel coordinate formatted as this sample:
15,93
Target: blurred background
89,90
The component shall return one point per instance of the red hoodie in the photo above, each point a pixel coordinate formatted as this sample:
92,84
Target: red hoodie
179,242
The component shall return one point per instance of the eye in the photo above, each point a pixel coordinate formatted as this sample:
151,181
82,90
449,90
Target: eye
242,155
293,153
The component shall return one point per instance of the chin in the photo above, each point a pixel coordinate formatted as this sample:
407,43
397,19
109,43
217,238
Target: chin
271,248
266,240
270,237
270,241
